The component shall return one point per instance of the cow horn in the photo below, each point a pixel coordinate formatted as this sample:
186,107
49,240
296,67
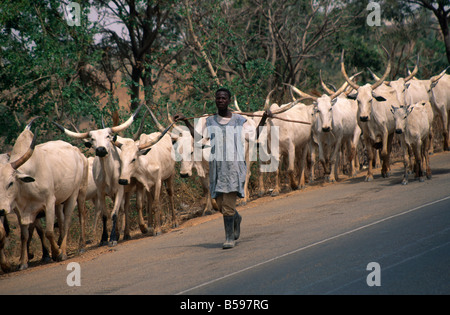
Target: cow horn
343,87
178,129
20,161
386,73
236,104
160,127
128,123
267,102
301,93
76,135
28,126
148,144
344,73
415,70
324,86
141,127
286,107
439,76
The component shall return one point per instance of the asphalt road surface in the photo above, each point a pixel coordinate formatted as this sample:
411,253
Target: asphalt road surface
350,237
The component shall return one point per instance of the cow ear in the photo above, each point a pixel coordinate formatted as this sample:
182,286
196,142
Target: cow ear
379,98
25,178
144,152
352,96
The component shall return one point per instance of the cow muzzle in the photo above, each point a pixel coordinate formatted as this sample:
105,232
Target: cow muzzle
398,131
123,181
363,118
184,175
326,129
101,152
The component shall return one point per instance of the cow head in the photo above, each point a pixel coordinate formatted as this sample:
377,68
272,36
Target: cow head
11,179
366,93
101,139
400,115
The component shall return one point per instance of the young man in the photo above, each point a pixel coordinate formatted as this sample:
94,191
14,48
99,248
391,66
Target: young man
227,166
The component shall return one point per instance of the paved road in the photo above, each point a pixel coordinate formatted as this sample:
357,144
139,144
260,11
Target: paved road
316,241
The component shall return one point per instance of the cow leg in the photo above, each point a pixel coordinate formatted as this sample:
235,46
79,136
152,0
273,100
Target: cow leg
406,161
157,208
446,130
302,163
334,160
49,229
4,231
100,205
40,231
169,188
426,156
152,216
370,158
140,205
386,168
208,201
126,207
82,215
291,167
118,199
69,206
24,235
418,156
276,190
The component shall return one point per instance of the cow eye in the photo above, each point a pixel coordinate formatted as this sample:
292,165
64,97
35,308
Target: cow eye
9,185
133,160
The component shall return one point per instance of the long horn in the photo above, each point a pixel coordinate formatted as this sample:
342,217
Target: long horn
141,127
324,86
344,73
148,144
236,104
267,102
178,129
416,69
386,73
302,94
160,127
375,77
20,161
128,123
343,87
75,135
439,76
286,107
28,126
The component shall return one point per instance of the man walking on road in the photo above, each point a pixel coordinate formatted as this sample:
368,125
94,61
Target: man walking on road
227,167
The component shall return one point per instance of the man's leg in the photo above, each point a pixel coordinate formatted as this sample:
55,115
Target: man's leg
228,207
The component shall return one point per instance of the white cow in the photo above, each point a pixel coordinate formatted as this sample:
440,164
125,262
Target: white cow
413,127
292,139
44,177
106,172
151,163
376,121
440,99
334,124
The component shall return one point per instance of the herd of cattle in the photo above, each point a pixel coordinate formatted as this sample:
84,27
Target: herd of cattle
53,178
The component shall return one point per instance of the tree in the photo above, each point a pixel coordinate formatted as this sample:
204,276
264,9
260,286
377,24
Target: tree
441,9
41,66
